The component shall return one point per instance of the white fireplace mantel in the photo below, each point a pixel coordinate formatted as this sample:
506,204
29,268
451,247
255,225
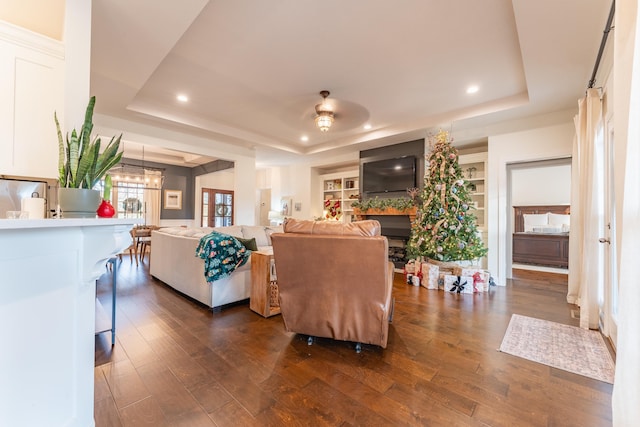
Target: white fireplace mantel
48,270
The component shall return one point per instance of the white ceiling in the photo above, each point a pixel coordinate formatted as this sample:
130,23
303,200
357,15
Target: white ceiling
253,69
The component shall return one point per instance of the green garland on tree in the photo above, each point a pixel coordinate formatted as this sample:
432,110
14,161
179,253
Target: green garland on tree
445,227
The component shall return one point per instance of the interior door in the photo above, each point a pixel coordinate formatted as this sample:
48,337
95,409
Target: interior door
609,302
264,197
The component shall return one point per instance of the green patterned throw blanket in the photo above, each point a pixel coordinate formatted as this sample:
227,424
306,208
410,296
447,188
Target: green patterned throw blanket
222,254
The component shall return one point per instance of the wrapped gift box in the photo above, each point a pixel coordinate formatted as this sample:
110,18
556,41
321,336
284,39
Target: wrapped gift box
469,271
459,284
430,275
415,280
480,278
410,267
479,283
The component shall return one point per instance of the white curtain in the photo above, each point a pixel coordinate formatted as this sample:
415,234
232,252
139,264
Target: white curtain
153,180
585,262
626,389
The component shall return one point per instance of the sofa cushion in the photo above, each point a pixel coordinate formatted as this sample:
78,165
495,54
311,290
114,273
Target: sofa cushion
273,229
367,227
231,230
248,243
257,232
197,232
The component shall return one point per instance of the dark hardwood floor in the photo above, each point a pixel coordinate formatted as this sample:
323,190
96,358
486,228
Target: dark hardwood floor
175,363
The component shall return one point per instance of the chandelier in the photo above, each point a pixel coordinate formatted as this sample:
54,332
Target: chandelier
145,177
324,114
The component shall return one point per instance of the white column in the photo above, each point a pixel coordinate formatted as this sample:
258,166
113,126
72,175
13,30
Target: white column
77,46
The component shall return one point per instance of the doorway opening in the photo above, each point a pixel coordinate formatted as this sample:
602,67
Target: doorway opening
537,183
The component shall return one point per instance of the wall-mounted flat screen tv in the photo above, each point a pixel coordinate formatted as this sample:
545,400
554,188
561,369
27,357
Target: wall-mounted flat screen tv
383,176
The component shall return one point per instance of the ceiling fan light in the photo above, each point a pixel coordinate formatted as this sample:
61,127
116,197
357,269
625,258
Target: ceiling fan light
324,113
324,120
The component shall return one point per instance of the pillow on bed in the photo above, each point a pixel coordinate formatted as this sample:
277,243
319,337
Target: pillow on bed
559,219
534,220
248,243
548,229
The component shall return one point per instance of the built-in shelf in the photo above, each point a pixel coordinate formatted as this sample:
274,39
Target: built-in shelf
474,167
338,187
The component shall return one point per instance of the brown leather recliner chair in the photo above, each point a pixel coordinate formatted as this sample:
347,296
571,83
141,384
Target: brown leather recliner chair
335,280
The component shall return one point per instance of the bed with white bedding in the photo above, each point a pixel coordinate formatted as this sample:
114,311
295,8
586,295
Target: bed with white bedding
541,235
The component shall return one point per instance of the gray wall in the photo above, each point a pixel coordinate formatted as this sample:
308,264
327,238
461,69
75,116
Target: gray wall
175,178
184,179
215,166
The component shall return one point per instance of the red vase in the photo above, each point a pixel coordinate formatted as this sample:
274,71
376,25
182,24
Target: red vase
106,210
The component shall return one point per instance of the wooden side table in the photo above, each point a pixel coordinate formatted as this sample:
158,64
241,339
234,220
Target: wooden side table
264,286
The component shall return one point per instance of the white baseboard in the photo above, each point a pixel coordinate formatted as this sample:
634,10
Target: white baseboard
540,268
177,222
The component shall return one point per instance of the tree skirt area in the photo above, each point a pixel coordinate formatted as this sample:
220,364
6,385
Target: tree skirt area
570,348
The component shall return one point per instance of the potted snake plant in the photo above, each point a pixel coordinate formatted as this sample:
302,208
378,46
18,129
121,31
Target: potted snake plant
81,166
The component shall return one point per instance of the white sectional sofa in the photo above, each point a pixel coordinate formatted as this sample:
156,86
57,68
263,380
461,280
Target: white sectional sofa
174,261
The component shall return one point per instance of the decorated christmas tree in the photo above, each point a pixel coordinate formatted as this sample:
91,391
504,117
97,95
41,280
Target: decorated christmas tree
445,226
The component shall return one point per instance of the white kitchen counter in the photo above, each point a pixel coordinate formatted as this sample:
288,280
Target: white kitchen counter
48,269
14,224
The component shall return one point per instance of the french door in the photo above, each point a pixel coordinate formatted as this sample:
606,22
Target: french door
217,208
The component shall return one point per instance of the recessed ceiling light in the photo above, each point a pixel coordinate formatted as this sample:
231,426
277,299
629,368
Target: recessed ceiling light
472,89
367,126
182,98
304,138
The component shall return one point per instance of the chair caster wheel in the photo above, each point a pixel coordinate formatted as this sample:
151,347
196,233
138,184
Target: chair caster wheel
358,348
310,341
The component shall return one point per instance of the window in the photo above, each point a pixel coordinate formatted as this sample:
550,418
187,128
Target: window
217,208
129,199
135,193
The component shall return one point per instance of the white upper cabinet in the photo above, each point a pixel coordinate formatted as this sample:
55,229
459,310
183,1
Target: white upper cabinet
32,87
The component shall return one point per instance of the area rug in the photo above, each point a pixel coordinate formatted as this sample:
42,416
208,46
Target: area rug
570,348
